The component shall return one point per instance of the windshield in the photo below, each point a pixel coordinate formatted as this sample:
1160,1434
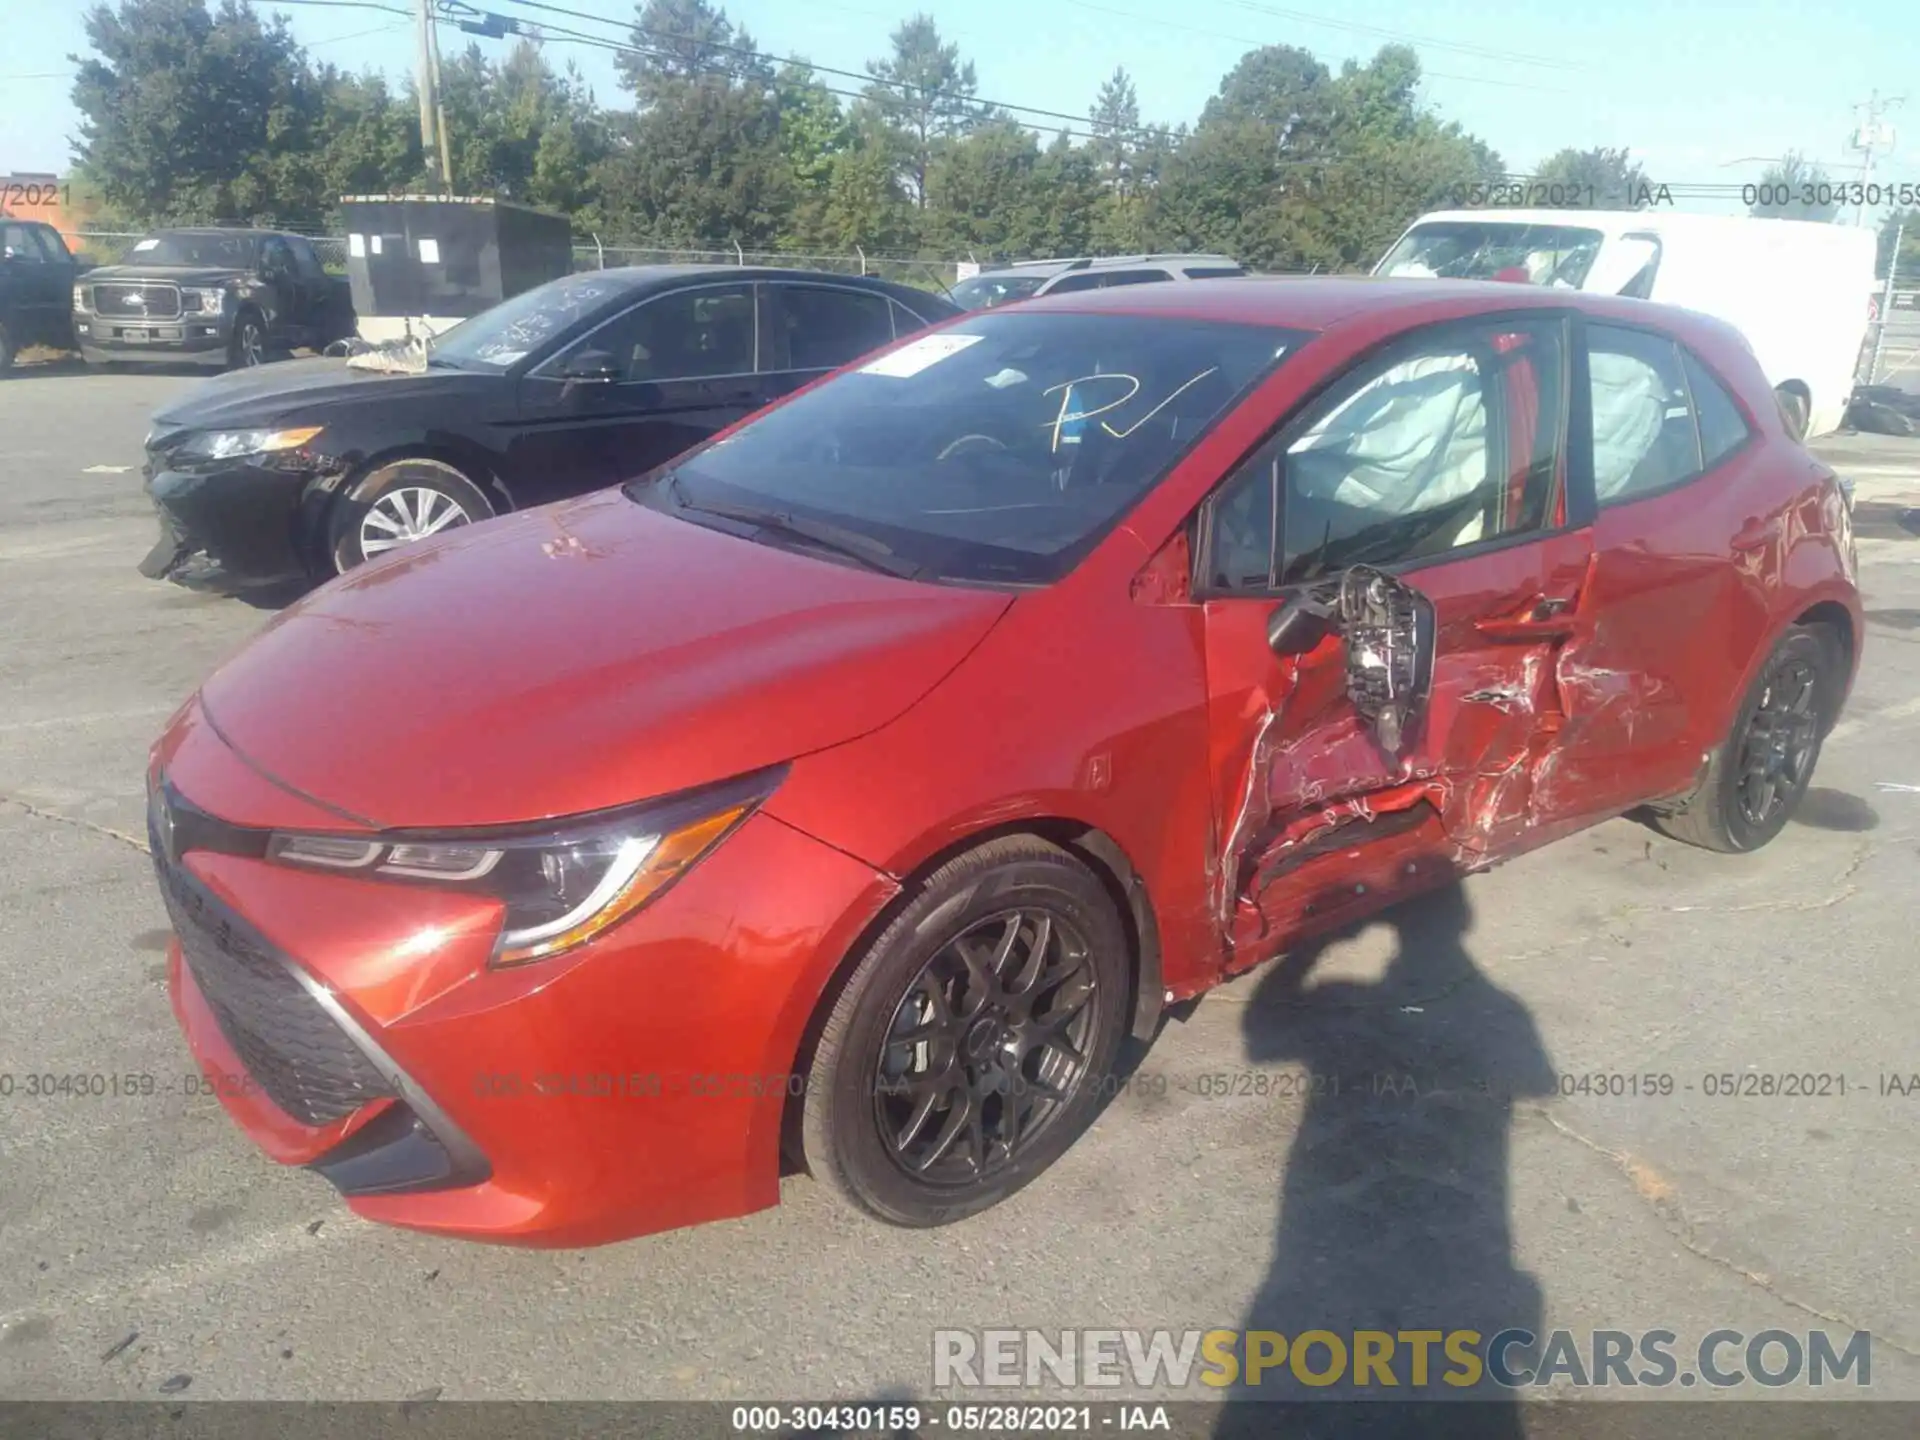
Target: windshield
983,292
508,332
231,252
997,451
1557,255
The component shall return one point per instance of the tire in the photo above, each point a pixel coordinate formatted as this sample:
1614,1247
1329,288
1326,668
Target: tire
7,346
1796,412
369,522
1800,679
862,1077
248,347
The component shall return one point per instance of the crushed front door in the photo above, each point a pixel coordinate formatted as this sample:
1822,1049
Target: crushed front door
1378,729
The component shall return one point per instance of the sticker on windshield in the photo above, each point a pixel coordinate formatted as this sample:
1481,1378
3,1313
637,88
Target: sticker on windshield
146,245
917,355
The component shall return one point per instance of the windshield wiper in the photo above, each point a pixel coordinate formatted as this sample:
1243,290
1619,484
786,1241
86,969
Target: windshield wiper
851,544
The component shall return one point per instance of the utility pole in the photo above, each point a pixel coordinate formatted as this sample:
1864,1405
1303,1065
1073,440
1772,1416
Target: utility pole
439,109
423,79
433,117
1870,135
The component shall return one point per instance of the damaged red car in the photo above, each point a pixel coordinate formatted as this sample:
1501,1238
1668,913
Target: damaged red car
841,795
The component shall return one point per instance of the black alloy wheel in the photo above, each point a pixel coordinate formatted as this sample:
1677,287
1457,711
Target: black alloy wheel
1756,778
971,1044
987,1044
249,345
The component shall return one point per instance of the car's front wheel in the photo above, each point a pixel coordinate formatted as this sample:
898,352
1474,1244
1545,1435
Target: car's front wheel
1756,778
971,1044
399,504
248,347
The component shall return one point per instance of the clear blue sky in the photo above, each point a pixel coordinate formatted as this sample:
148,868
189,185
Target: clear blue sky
1687,85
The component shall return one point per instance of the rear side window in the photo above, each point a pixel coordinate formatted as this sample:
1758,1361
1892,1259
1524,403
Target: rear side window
1135,277
822,328
1072,283
1213,272
1644,436
905,322
1723,429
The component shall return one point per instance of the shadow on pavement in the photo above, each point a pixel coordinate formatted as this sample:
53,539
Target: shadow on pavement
1394,1200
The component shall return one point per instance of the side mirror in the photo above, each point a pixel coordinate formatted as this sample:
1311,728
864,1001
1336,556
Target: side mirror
1299,626
591,367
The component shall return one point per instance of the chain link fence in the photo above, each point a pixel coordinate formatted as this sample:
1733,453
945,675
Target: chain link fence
1891,355
115,247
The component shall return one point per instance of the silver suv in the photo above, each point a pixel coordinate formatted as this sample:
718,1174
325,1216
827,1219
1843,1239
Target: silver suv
1008,283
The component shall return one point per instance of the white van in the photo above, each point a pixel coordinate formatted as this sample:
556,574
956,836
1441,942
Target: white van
1800,291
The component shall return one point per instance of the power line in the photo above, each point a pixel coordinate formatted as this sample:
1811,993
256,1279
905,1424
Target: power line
870,79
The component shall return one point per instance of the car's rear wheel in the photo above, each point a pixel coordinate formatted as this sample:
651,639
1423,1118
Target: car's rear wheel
6,347
1756,778
1796,412
400,504
970,1046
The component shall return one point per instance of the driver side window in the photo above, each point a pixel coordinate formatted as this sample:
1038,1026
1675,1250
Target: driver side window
1446,443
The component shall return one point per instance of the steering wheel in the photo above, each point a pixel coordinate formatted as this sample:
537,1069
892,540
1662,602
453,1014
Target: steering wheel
970,440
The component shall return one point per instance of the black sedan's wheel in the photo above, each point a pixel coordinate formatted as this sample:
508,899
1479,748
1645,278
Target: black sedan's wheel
400,504
249,344
1756,778
969,1047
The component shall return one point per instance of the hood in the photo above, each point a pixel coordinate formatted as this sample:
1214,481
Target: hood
576,657
263,393
173,274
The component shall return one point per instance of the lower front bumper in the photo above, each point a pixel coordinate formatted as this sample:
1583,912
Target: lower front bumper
230,529
186,341
638,1084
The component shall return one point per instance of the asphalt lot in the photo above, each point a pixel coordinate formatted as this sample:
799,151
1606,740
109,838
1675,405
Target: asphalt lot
1618,952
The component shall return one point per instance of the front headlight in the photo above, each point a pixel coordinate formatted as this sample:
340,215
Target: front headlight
80,298
563,883
196,300
226,444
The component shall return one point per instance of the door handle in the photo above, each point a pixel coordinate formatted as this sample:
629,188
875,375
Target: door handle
1546,617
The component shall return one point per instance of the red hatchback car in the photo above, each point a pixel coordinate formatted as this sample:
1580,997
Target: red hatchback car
846,792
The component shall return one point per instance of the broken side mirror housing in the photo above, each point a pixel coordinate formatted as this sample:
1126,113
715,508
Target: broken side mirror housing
1299,625
1389,629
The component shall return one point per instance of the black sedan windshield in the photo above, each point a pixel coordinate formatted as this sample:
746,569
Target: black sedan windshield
998,450
516,327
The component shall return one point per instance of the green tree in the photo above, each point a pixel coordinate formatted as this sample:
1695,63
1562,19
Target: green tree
1790,189
984,192
1599,179
866,205
924,91
191,114
814,132
705,169
679,40
369,136
1115,121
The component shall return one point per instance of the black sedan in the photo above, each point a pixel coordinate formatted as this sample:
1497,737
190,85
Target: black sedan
303,470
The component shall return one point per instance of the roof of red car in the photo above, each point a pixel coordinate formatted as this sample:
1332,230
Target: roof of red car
1318,302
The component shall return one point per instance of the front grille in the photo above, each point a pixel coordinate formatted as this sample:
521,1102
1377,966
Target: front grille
289,1044
137,300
